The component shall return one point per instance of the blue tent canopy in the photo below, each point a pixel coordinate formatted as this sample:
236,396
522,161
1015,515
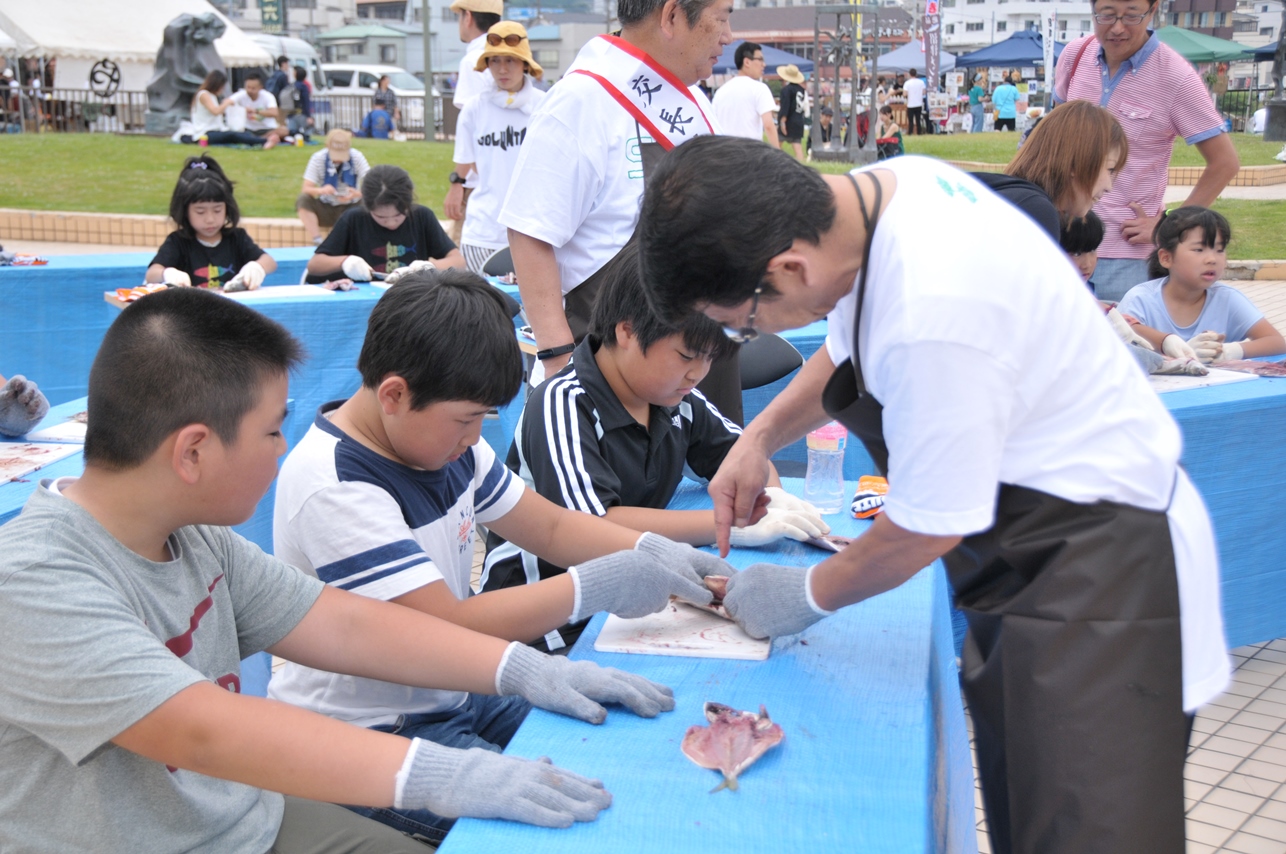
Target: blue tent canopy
1025,47
1264,53
773,57
911,55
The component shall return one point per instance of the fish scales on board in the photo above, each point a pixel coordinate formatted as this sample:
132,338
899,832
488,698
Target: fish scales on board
731,742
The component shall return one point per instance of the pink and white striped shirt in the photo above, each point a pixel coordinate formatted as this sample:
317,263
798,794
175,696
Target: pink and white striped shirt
1156,95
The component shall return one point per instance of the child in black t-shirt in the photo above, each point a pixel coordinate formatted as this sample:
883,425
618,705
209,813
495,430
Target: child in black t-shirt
208,250
389,232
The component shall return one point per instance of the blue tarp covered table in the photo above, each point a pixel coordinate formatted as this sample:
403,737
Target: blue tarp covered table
875,758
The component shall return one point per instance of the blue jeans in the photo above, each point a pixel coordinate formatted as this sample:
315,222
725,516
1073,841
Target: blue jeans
483,721
1114,276
975,112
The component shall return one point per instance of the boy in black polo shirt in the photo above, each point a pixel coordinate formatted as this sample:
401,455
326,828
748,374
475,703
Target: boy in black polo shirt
612,432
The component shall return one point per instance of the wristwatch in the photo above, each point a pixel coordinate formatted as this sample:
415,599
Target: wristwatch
455,178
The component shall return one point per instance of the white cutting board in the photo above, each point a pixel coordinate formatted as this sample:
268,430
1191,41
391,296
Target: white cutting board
681,630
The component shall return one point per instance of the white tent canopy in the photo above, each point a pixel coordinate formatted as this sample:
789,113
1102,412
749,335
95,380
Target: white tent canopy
7,44
79,33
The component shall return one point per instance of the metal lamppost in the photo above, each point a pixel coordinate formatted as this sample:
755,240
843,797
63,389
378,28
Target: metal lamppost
1275,126
844,48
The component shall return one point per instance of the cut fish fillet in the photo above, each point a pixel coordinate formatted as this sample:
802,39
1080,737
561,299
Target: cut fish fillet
732,742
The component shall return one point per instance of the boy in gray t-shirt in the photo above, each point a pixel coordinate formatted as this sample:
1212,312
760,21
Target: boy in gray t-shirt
126,607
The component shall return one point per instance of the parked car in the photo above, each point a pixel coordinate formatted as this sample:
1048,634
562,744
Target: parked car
358,80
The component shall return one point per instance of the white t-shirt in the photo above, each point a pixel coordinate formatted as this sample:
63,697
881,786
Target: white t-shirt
1002,369
914,89
265,101
203,120
489,135
578,181
740,105
363,523
469,81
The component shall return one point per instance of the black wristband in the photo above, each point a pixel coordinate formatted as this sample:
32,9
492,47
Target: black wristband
554,352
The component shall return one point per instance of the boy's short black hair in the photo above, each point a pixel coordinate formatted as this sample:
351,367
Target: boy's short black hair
448,334
253,74
1082,234
744,51
485,20
622,299
716,211
178,357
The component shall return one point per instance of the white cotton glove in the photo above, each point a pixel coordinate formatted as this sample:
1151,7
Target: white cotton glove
1231,353
251,275
1176,348
786,516
481,784
357,269
402,272
1207,345
638,582
576,688
176,278
1125,332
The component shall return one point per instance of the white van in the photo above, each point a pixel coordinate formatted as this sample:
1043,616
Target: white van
360,79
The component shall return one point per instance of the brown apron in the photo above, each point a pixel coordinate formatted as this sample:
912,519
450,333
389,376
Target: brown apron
1073,661
722,385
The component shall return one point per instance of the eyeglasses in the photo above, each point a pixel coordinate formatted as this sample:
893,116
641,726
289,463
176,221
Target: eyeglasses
756,59
1128,20
747,332
513,39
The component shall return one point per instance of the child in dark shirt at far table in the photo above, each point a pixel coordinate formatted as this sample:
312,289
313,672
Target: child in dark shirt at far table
612,433
208,249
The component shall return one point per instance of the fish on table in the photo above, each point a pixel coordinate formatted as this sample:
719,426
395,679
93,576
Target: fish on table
731,742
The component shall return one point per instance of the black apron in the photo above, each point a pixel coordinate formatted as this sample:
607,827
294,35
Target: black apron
722,385
1073,661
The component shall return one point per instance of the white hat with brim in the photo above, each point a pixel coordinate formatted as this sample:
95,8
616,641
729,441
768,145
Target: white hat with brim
790,73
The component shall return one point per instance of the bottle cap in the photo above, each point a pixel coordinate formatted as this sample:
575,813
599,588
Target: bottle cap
830,437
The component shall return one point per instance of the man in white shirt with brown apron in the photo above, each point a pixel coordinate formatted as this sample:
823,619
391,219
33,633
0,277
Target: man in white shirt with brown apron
574,198
1021,444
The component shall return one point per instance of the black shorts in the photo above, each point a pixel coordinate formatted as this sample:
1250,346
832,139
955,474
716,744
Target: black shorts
1005,124
794,131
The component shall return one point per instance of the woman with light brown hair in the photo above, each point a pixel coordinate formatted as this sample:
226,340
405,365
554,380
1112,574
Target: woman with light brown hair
1064,166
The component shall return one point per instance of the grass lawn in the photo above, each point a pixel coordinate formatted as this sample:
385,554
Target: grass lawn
133,174
136,174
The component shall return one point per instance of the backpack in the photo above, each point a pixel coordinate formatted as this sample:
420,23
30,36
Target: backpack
288,100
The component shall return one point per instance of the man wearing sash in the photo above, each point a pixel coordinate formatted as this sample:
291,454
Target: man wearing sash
574,198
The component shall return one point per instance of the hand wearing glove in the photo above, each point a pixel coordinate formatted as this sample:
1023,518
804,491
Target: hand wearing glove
251,276
175,278
575,688
402,272
1206,345
356,269
769,601
1181,367
1125,332
1231,353
22,406
1176,348
780,522
481,784
682,557
632,584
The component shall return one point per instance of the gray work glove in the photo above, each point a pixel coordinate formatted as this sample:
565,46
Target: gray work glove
683,557
481,784
576,688
769,601
640,582
22,406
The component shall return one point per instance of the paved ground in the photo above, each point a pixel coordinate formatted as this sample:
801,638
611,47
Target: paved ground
1273,191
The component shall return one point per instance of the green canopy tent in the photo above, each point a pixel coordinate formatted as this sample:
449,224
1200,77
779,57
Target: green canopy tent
1199,47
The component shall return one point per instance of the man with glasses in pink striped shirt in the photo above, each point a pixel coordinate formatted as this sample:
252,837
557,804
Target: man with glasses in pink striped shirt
1156,95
